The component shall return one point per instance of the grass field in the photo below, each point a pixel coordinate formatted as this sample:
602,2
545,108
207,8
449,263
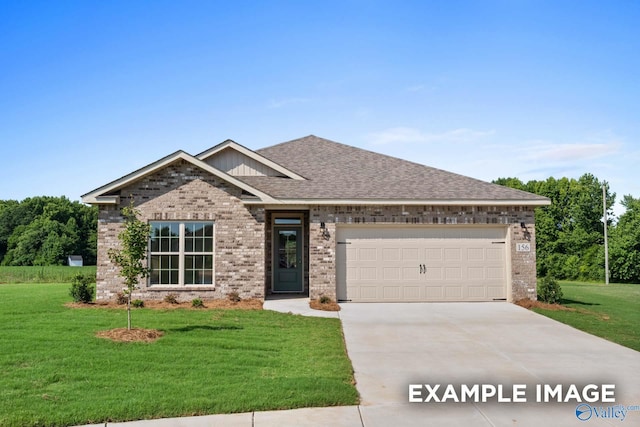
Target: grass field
608,311
48,274
55,372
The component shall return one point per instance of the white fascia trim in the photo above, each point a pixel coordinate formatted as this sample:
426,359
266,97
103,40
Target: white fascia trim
249,153
97,197
413,202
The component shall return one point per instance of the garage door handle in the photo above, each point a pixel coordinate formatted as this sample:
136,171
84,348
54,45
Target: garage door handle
423,268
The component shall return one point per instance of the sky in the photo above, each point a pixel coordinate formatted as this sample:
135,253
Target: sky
92,90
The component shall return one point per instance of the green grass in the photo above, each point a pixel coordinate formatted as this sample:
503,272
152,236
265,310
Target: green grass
45,274
608,311
55,372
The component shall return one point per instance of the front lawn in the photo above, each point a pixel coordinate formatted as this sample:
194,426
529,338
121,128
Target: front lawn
55,372
608,311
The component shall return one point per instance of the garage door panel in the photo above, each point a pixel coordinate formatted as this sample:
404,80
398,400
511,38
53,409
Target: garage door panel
368,292
495,254
475,254
391,274
433,254
452,273
452,254
496,292
367,273
495,273
367,254
422,263
453,293
391,293
433,274
391,254
410,274
433,293
475,273
410,254
411,293
477,292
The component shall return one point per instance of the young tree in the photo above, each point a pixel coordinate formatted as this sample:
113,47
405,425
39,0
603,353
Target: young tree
130,257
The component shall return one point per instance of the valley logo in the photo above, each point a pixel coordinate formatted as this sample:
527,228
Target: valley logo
585,412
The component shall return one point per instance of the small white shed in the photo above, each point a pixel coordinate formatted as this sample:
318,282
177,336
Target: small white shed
74,260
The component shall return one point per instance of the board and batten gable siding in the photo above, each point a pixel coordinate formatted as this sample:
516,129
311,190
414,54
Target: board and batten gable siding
521,265
238,164
182,192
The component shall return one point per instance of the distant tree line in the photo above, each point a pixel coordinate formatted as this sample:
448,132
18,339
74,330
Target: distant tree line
570,232
45,230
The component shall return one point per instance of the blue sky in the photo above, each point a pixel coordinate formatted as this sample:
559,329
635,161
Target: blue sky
92,90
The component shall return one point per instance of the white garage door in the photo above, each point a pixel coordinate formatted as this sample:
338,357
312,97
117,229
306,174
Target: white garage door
421,263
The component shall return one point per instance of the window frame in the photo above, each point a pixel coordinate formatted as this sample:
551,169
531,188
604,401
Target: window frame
182,254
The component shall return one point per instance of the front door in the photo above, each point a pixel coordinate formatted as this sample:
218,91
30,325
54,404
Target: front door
287,263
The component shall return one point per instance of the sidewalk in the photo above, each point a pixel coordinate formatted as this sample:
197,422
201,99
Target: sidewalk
339,416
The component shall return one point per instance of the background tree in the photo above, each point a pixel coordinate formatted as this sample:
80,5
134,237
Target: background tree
625,244
130,257
569,232
45,230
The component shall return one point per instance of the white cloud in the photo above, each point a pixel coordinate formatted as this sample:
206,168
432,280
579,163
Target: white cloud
571,152
412,135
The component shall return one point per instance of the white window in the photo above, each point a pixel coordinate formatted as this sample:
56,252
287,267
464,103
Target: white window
181,253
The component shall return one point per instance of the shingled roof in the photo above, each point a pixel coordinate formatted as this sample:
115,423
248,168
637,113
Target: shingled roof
335,171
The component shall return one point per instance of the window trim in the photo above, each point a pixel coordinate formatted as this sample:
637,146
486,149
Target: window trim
181,257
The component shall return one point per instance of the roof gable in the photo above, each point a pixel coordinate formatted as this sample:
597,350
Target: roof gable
237,160
103,195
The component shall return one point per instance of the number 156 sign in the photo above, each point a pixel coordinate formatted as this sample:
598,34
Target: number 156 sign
523,247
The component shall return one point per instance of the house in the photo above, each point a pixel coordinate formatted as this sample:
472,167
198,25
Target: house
317,217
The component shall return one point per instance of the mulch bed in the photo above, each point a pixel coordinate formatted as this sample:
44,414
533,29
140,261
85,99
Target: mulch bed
131,335
327,306
529,304
247,304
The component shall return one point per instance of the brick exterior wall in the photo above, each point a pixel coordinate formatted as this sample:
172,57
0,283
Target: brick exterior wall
182,192
322,256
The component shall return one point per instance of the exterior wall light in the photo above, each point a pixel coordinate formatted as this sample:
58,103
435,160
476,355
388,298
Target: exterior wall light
325,233
525,231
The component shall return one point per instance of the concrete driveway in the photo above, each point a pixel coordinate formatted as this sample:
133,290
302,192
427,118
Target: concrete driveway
394,345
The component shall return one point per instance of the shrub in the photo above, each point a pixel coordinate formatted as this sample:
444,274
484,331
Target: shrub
137,303
197,302
549,290
121,298
234,296
81,288
325,299
171,298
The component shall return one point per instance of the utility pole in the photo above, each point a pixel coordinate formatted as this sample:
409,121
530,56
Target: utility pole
606,243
